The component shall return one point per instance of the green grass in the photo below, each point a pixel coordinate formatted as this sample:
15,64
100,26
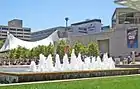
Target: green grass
127,82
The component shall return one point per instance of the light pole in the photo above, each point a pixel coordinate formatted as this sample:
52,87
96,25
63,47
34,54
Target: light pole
66,29
66,19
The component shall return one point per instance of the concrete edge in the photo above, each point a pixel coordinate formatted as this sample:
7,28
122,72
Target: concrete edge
66,80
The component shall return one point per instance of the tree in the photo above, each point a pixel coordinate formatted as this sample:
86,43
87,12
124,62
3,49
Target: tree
49,50
79,48
28,54
12,54
1,43
93,49
60,48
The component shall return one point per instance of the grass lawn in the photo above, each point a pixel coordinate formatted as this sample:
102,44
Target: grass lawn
126,82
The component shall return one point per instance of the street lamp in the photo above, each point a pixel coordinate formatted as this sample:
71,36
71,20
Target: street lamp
66,29
66,19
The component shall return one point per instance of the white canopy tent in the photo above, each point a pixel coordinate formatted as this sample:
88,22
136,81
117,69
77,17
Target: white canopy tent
12,42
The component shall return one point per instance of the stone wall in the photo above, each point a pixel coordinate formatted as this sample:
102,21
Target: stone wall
30,77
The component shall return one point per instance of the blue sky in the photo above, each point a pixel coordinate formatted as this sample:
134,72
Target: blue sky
41,14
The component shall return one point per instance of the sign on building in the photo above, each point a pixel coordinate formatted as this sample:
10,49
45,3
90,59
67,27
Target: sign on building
132,37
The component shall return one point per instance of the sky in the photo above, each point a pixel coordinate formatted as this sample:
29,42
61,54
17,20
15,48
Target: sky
43,14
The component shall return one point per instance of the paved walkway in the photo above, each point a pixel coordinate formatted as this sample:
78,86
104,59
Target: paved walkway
66,80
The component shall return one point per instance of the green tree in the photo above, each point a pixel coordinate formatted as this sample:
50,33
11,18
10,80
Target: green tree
12,54
79,48
49,50
93,49
28,54
60,48
35,52
1,43
19,53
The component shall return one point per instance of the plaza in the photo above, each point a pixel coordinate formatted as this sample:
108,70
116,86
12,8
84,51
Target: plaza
86,53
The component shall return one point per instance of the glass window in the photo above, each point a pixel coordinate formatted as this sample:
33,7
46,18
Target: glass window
13,32
122,14
19,29
130,20
4,28
4,35
4,31
130,15
28,30
26,36
121,20
19,33
20,36
12,29
27,33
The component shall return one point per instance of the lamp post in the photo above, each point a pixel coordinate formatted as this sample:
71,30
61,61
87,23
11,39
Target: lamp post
66,19
66,29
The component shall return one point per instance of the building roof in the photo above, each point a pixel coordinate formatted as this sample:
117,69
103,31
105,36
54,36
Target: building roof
87,21
54,28
135,4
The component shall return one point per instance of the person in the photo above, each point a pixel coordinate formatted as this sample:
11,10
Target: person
129,59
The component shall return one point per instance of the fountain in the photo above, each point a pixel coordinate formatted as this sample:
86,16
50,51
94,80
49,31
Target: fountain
76,67
76,63
42,63
58,65
66,65
33,66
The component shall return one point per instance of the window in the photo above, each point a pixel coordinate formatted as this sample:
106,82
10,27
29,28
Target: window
130,15
19,33
26,36
20,36
122,14
27,33
28,30
130,20
19,29
4,35
12,29
4,31
13,32
4,28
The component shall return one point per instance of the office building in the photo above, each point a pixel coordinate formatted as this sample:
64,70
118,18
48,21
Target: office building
15,28
86,27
